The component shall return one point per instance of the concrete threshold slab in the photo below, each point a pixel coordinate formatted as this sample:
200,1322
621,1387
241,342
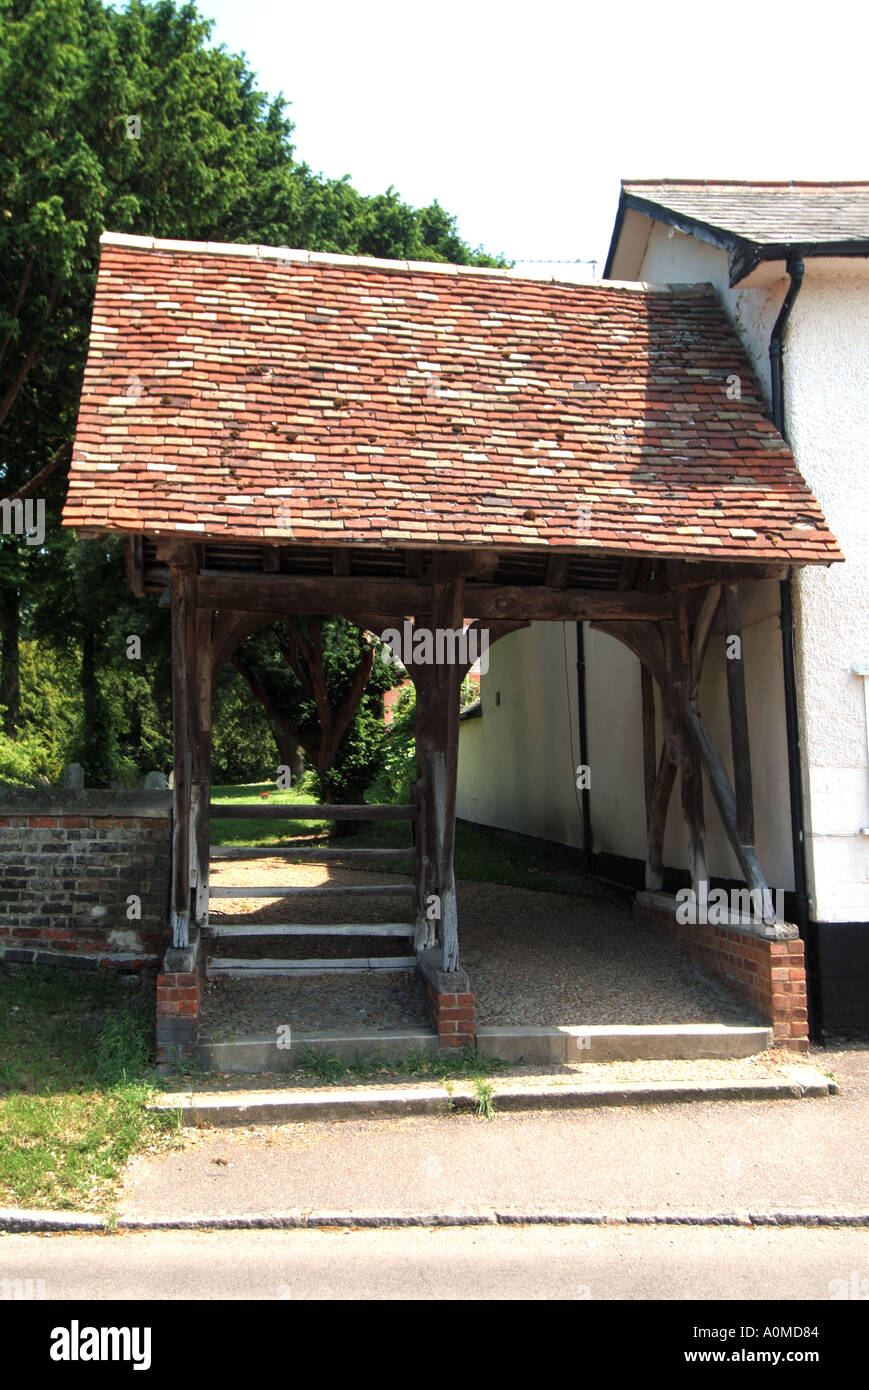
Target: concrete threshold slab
511,1043
621,1042
199,1108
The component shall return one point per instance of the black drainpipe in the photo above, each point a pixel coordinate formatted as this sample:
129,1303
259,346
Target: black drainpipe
583,747
807,930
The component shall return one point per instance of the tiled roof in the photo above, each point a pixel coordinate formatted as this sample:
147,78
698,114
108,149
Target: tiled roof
253,393
767,213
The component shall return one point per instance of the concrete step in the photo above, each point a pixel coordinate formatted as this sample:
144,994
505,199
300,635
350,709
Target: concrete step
260,1052
677,1042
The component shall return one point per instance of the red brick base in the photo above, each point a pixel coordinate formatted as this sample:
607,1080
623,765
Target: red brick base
179,993
770,974
454,1017
453,1007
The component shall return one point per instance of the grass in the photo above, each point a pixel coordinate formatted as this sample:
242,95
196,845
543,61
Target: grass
76,1073
415,1065
483,855
262,832
485,1103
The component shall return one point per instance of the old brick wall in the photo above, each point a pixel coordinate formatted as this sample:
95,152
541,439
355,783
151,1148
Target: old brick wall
70,862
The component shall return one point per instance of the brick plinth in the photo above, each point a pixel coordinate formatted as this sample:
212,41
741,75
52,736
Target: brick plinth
179,994
452,1005
768,971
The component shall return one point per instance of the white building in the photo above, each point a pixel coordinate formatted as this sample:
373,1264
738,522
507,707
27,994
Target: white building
789,265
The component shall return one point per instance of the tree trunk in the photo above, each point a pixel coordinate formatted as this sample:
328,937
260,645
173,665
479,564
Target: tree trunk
289,750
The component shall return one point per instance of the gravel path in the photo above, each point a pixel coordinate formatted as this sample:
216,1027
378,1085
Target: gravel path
532,957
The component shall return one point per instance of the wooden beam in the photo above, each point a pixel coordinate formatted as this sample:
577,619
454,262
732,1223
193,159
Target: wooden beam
134,558
725,800
181,608
556,571
628,573
660,802
281,594
739,741
685,574
644,640
539,603
701,635
200,683
437,745
461,564
231,629
681,677
649,774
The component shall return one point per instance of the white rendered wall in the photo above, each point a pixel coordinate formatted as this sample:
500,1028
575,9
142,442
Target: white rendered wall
616,746
827,417
517,762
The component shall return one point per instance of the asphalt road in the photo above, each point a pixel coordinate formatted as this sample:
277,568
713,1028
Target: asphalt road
531,1262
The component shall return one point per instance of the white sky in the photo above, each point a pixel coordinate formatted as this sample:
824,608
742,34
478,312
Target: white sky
522,118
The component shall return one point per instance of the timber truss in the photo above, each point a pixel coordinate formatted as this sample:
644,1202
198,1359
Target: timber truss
664,610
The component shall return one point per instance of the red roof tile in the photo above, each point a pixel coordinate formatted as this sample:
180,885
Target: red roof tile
244,392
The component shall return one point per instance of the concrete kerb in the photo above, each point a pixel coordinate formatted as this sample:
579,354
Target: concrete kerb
232,1109
35,1222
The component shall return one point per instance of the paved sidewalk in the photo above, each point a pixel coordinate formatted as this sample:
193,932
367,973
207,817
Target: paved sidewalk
724,1157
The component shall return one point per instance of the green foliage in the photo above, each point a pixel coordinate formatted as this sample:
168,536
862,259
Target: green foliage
398,753
267,656
243,745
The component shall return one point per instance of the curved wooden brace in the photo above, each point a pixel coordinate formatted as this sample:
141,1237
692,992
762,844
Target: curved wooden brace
231,629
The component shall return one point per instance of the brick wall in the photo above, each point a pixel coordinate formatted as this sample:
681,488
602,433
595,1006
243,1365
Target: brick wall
767,970
69,862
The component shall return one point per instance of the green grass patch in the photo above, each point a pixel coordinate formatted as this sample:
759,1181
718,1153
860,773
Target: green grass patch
416,1065
484,855
263,832
76,1073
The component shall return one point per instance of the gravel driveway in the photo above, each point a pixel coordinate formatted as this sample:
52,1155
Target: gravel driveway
532,957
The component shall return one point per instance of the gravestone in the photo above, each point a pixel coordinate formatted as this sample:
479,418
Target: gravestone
73,777
156,782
